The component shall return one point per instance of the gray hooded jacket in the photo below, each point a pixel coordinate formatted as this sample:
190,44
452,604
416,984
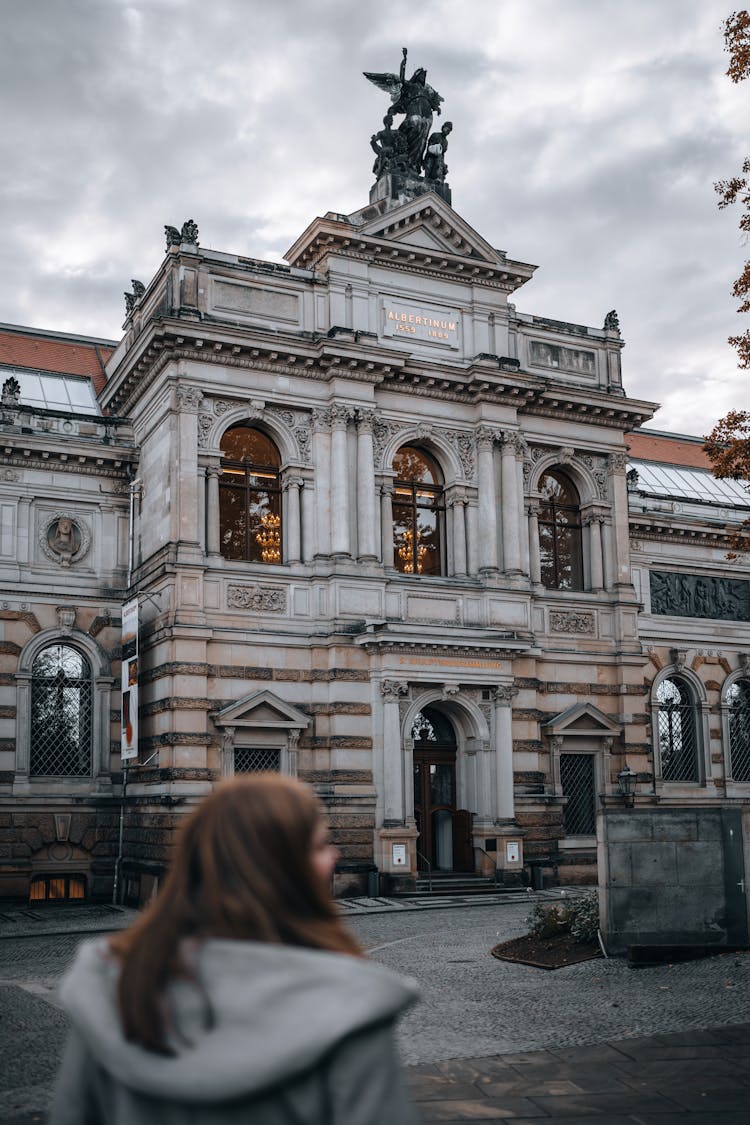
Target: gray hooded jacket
300,1037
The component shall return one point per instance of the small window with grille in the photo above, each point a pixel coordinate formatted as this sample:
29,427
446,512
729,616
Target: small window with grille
61,714
254,759
577,778
57,888
738,698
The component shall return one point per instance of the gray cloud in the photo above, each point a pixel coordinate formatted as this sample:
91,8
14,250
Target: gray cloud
586,139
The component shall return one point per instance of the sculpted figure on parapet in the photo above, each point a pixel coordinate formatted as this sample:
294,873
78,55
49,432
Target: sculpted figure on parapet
417,101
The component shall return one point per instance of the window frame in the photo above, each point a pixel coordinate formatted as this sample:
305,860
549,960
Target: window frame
733,785
402,486
699,704
247,485
85,681
548,504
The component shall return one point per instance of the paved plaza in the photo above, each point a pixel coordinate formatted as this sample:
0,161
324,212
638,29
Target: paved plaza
489,1041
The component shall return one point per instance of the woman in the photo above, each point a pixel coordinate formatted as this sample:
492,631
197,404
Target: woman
238,996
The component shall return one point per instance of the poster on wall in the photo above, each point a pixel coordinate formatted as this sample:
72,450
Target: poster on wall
129,709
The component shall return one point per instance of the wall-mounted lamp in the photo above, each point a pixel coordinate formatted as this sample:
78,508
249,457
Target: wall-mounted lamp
626,781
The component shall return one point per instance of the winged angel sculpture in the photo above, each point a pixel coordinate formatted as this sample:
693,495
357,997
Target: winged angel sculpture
417,101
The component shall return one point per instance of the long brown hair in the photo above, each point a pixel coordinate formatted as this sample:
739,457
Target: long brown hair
242,869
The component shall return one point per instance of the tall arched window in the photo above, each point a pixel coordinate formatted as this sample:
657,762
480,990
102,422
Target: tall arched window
560,533
678,731
61,714
418,512
250,496
738,698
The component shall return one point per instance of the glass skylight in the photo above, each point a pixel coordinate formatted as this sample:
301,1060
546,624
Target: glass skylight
685,483
51,391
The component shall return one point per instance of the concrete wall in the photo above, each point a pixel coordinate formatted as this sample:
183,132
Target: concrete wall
672,877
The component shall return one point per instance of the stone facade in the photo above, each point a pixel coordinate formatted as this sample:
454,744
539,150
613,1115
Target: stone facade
390,328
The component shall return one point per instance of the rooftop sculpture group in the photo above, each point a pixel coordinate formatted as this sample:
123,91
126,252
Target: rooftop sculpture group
412,156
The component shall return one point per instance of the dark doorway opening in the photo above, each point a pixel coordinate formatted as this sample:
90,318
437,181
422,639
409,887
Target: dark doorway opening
444,830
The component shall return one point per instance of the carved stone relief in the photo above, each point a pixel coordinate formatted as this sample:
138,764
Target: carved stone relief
699,595
65,538
570,621
259,599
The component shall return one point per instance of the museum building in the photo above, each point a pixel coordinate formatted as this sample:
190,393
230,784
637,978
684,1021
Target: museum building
387,533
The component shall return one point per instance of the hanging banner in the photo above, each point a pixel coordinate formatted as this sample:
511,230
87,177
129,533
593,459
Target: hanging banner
129,710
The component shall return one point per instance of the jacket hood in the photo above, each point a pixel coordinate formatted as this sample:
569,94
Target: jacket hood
278,1010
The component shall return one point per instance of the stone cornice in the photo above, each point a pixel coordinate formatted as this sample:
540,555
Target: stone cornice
661,529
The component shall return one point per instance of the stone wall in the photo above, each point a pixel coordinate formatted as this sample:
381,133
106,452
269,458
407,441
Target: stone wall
672,877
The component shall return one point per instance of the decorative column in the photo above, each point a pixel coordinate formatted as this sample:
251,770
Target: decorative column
292,527
213,532
484,782
393,783
292,750
609,564
386,522
487,500
535,554
366,546
187,402
616,465
340,417
522,452
503,697
595,553
321,422
511,516
308,520
459,535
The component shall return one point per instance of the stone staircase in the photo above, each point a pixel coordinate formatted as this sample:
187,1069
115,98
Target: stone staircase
454,884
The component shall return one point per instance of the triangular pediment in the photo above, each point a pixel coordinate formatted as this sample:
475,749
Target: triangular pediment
582,720
261,709
432,224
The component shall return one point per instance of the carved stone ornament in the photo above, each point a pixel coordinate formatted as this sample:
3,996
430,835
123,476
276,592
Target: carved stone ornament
11,394
504,694
205,424
130,298
259,599
566,454
633,480
66,618
392,689
65,538
570,621
188,399
188,234
678,656
612,321
10,474
617,462
699,595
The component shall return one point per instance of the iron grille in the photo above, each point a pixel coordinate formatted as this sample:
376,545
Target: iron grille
739,730
61,714
577,779
678,738
250,759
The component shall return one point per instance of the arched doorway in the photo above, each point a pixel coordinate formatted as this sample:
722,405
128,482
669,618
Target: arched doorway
444,830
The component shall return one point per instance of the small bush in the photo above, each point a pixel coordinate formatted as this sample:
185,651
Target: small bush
579,917
585,921
550,919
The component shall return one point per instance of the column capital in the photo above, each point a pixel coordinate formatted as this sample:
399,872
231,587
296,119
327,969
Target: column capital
391,690
617,462
503,694
486,437
341,416
365,421
213,470
292,481
321,419
188,399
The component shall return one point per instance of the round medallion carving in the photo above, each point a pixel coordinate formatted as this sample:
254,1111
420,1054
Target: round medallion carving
65,538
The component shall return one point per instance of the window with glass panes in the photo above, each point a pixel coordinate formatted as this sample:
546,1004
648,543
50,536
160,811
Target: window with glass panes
738,698
560,544
61,714
250,497
418,513
677,731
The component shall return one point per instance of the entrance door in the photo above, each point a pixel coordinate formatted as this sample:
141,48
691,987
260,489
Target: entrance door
444,830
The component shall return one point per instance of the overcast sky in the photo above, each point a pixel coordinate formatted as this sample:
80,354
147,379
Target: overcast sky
587,137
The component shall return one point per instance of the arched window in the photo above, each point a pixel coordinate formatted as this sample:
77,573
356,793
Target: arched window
418,512
250,497
560,533
738,698
61,714
678,731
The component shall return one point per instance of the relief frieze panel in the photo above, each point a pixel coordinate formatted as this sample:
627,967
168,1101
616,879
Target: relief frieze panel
699,595
571,621
258,599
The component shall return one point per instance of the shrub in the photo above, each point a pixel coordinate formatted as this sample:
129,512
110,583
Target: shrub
579,917
585,921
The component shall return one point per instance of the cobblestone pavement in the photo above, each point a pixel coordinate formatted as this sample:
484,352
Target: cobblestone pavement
473,1008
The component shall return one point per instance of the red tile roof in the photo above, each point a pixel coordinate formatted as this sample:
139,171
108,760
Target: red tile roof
55,351
669,449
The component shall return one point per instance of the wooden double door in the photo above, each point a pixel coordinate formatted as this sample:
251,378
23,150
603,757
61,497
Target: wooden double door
444,830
